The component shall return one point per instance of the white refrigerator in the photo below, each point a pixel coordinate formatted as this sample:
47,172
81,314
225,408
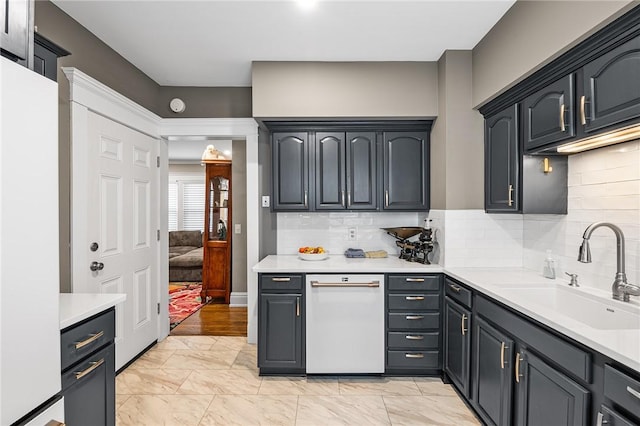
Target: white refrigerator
29,252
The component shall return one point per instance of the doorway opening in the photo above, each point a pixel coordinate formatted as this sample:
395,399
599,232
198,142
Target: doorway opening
192,310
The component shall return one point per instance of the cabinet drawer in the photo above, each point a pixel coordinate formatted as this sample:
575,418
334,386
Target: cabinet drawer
414,320
281,282
80,340
412,359
409,340
414,301
611,418
622,389
414,282
457,292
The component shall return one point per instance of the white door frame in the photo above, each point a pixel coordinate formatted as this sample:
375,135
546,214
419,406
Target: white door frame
86,93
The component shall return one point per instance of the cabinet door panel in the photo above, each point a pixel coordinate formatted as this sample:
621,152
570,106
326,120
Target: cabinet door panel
280,331
457,339
549,115
406,171
330,171
492,373
548,397
362,175
501,161
611,86
290,171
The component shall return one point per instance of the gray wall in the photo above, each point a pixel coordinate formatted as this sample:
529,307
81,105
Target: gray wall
239,216
98,60
268,221
187,168
345,89
530,35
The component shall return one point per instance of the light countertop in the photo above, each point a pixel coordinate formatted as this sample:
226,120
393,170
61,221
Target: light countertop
75,307
622,345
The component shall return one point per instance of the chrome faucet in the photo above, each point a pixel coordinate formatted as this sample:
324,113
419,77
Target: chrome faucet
621,290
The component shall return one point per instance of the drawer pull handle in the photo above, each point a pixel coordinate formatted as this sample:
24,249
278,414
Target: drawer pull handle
54,423
410,337
601,421
94,365
414,355
323,284
414,298
454,288
281,280
91,339
414,280
414,317
633,392
298,306
464,330
503,346
386,198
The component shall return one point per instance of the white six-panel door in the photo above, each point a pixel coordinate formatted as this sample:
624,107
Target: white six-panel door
115,195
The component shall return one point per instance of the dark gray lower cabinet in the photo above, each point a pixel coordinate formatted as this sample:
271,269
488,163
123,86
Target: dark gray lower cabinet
546,396
493,373
280,333
457,344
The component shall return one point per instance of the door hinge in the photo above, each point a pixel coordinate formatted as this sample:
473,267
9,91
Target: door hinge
158,308
158,235
158,161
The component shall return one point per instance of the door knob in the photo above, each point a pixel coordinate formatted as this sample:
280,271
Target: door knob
96,266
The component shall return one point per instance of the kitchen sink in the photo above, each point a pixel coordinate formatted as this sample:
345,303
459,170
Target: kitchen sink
591,310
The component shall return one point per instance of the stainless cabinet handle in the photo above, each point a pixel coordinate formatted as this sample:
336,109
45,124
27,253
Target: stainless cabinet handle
298,306
414,298
306,199
633,392
323,284
518,361
343,198
281,279
94,365
349,198
510,201
414,280
386,198
583,117
503,346
91,339
601,420
410,337
454,288
464,330
414,355
414,317
562,110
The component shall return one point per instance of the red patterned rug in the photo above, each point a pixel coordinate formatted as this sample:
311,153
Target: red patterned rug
184,302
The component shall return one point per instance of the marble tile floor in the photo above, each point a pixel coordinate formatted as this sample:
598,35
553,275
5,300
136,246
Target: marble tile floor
213,380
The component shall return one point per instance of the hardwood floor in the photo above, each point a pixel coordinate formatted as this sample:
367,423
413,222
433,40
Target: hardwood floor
214,319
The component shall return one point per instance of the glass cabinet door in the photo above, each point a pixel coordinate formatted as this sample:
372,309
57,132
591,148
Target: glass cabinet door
218,208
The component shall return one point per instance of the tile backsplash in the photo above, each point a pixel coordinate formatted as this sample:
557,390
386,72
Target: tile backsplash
604,185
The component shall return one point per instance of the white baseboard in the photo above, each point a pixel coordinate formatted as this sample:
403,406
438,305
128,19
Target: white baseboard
238,299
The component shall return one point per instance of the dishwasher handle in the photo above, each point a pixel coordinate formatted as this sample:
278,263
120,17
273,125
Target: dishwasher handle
328,284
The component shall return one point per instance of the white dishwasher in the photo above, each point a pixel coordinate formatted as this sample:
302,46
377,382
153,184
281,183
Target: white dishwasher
344,324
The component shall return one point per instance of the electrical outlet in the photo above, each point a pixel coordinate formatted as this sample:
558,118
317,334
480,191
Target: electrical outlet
352,235
265,201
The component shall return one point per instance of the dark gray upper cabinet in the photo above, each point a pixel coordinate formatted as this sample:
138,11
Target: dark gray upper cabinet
345,171
290,171
406,171
548,115
457,344
362,171
611,88
493,372
16,24
45,57
548,397
502,156
280,339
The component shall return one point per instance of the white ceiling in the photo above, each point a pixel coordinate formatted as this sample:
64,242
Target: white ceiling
213,42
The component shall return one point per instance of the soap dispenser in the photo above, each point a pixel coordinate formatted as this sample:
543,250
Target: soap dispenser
549,269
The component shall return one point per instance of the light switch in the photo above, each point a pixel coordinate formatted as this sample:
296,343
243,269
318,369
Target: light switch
238,228
265,201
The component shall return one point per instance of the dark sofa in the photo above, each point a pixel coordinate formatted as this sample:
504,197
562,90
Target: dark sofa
185,256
